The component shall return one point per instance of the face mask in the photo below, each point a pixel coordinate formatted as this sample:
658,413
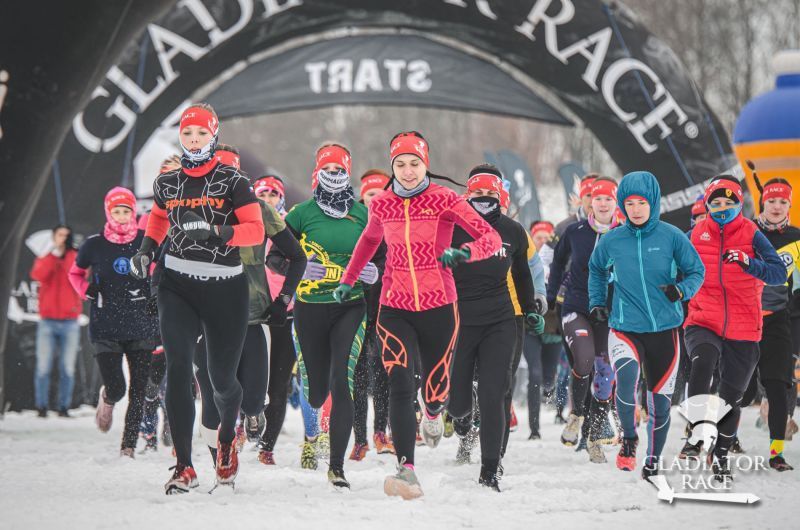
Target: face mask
725,214
192,160
488,207
334,194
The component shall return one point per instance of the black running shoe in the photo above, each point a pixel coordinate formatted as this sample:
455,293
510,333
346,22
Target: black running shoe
489,479
736,447
779,464
691,450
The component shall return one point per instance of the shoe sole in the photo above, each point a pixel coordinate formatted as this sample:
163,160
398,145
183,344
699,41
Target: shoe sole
394,487
175,489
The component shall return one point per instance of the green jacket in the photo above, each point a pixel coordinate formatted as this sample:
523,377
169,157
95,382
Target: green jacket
253,262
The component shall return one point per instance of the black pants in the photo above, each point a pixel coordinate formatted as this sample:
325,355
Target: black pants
253,376
775,371
281,360
542,360
370,370
737,359
110,364
587,341
408,338
487,350
330,337
218,310
519,339
152,401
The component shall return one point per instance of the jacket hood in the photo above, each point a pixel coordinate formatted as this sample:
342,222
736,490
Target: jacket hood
644,184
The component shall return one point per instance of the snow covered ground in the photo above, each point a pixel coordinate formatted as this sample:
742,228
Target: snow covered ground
63,473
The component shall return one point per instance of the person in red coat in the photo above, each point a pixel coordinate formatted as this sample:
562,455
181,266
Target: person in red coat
58,330
724,322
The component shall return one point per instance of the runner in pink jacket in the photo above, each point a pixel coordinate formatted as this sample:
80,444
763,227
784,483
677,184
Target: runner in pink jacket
418,317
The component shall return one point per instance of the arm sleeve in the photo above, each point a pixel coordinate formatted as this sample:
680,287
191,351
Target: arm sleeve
557,267
487,240
157,224
249,231
276,260
77,278
690,265
42,268
367,244
537,271
599,265
289,247
273,222
767,266
521,274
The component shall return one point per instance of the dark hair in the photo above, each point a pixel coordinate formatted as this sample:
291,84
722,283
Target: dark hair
730,178
228,148
588,176
486,168
412,133
778,180
70,241
272,176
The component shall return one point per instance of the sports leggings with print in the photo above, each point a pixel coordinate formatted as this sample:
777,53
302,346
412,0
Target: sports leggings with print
330,337
407,337
588,351
218,310
656,355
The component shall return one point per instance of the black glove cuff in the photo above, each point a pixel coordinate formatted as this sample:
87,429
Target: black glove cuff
225,232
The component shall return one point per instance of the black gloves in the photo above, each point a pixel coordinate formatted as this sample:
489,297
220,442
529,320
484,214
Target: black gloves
92,291
672,292
195,227
598,315
140,262
277,313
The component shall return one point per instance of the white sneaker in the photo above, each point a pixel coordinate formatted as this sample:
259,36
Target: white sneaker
432,429
403,484
595,450
572,430
105,412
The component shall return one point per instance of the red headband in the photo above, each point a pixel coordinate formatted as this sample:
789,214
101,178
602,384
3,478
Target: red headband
375,181
586,187
409,144
604,187
228,158
332,154
505,198
485,181
543,226
734,188
777,190
267,184
636,198
202,117
120,196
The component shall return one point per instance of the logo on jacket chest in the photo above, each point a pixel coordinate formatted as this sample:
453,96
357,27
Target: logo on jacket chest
196,203
705,236
503,252
122,266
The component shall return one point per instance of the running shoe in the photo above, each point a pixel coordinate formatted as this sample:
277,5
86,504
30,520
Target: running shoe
403,484
649,471
736,447
779,464
308,456
626,458
64,413
559,419
432,429
254,426
488,479
721,467
227,463
383,443
266,457
513,422
336,478
791,429
323,445
691,450
127,452
466,444
105,412
42,412
150,443
449,430
183,479
595,450
535,435
359,451
240,438
572,430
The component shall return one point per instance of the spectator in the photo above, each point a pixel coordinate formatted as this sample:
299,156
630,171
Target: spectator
59,308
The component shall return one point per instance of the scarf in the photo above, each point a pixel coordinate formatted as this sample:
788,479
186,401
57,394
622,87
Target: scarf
120,233
400,191
487,207
334,195
763,224
601,228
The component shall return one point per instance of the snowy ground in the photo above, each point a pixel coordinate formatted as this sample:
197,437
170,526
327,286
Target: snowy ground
63,473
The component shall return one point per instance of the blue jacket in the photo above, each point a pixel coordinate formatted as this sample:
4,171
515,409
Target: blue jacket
573,250
644,259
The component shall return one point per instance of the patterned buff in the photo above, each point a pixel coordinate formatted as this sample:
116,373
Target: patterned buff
601,228
114,231
203,118
765,225
334,194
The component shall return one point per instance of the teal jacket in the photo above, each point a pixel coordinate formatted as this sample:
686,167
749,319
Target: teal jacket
643,259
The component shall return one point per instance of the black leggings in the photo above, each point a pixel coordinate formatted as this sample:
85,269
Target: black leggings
217,309
152,401
488,349
737,359
253,375
542,359
110,364
408,338
281,360
330,337
370,369
587,342
519,339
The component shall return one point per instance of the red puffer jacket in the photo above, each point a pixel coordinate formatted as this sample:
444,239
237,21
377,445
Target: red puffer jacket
417,231
57,299
729,301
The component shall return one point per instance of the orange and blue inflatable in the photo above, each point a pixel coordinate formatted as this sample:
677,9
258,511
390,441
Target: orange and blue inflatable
767,131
